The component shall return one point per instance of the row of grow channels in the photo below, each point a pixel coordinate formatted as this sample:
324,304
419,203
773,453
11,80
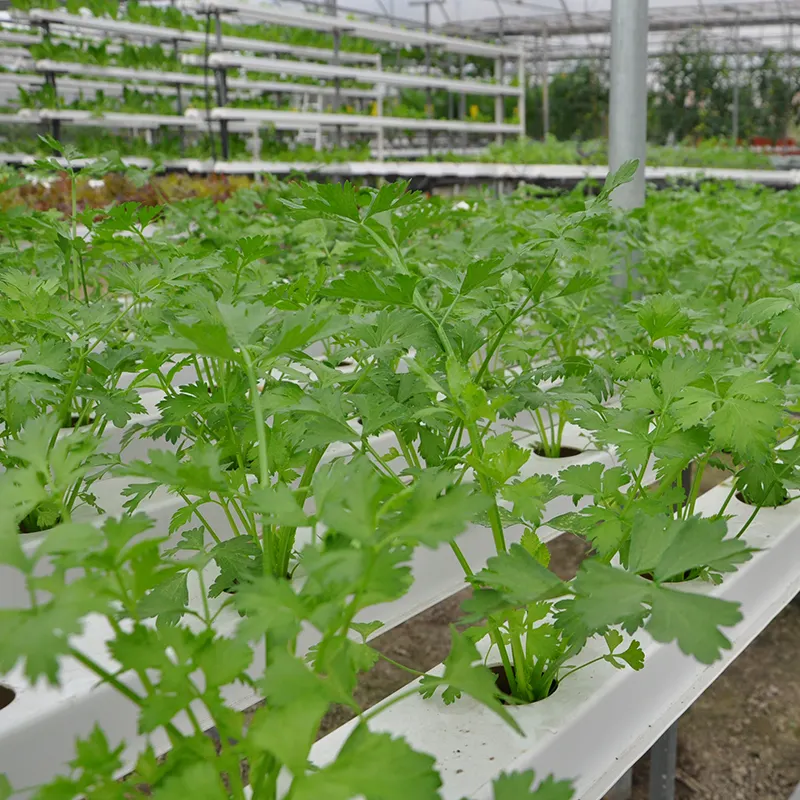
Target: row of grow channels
370,375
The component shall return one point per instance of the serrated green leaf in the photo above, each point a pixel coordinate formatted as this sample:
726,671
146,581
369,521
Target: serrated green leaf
465,674
520,786
536,547
519,577
277,505
694,621
373,766
530,497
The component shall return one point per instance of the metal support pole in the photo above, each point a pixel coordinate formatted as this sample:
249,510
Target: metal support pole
381,131
337,81
792,82
545,79
499,111
426,4
736,68
663,760
428,95
179,105
450,98
222,93
664,753
499,65
55,124
462,98
380,90
628,122
623,788
337,84
522,105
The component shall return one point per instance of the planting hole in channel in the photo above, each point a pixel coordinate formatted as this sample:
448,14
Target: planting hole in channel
564,452
501,680
777,502
74,418
7,696
42,518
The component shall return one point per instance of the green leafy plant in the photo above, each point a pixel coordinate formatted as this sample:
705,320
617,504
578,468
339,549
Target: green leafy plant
113,572
340,377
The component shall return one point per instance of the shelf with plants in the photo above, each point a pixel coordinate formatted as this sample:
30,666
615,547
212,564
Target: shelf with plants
195,38
111,119
360,121
19,37
153,62
326,71
356,27
126,74
72,86
364,401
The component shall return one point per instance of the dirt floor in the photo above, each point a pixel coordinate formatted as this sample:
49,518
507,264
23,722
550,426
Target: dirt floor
740,740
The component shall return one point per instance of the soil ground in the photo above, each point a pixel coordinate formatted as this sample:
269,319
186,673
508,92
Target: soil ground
739,741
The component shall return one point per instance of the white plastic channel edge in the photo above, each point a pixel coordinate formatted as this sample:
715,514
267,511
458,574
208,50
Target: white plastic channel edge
599,722
42,720
355,120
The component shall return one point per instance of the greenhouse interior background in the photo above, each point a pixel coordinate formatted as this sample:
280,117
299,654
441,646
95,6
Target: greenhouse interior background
399,399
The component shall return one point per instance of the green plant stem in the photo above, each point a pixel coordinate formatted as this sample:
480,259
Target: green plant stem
231,521
518,312
542,432
752,516
497,641
407,449
66,403
494,512
247,522
580,667
265,767
399,665
520,666
461,559
637,487
286,535
196,511
128,693
695,490
82,271
774,352
368,448
373,712
453,437
562,423
261,430
728,499
500,546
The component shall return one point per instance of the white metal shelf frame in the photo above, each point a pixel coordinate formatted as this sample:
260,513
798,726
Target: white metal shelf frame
374,76
132,74
360,121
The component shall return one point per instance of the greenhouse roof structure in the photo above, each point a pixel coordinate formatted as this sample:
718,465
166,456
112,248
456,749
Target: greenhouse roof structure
579,28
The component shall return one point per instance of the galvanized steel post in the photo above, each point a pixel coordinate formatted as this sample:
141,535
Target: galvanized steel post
628,118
